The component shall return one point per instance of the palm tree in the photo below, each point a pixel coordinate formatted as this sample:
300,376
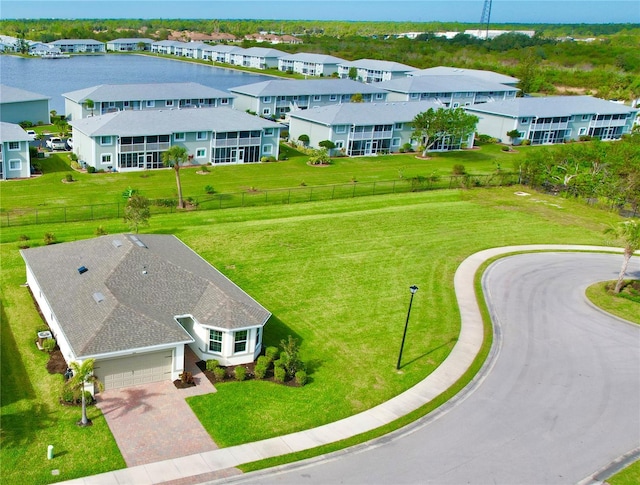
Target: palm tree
83,374
629,233
89,104
173,157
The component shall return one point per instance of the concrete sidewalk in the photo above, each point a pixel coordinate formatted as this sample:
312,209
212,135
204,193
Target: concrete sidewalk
220,463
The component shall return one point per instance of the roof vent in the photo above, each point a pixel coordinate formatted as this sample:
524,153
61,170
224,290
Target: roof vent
137,241
82,269
117,243
98,297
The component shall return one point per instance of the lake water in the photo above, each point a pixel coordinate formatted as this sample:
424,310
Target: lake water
52,77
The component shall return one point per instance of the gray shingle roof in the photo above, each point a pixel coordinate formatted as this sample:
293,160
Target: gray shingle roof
144,288
143,92
9,94
443,84
458,71
76,42
548,106
167,121
365,113
12,132
376,65
305,87
263,52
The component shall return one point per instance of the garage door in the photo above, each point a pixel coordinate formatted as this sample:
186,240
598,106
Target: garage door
134,369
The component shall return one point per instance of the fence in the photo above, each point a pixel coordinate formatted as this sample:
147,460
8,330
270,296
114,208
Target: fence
254,198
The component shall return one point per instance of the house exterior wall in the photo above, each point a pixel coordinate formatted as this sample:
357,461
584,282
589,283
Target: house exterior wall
227,356
15,163
36,111
496,126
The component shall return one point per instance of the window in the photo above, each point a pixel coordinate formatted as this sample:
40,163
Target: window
340,144
341,129
15,165
126,104
201,153
586,117
266,99
379,96
582,131
105,158
240,341
267,149
317,97
268,132
521,134
150,103
397,126
266,111
414,95
524,121
105,140
258,338
179,136
168,103
201,135
14,145
395,142
224,101
333,97
215,340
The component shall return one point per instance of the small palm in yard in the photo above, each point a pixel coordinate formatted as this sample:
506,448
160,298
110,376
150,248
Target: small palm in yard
83,374
174,157
629,233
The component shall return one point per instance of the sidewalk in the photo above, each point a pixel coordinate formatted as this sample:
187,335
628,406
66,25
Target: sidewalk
219,463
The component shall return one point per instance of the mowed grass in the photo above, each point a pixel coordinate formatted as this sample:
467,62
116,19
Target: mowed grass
335,275
617,305
49,191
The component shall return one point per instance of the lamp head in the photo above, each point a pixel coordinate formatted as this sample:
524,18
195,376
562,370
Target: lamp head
413,289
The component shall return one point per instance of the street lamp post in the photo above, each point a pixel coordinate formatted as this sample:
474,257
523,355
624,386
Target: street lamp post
413,289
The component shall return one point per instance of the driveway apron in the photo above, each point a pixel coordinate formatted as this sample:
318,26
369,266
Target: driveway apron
153,422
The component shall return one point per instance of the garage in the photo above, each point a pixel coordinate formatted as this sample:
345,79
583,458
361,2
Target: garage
134,369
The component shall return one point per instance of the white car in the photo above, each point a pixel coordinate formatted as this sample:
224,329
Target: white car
55,143
32,134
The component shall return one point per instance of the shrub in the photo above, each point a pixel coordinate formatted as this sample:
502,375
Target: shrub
211,364
301,377
304,139
279,374
165,202
506,148
525,142
278,364
69,177
186,377
241,373
49,238
458,169
259,371
290,355
100,231
24,237
271,353
67,394
219,373
73,157
49,344
407,147
91,169
204,168
88,397
209,189
328,144
263,360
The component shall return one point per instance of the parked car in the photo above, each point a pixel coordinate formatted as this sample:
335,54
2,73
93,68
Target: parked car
32,134
70,143
55,143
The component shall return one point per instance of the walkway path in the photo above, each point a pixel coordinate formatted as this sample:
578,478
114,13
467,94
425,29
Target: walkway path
458,361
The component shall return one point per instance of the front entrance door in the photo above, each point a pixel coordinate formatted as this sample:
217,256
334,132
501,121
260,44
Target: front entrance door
240,155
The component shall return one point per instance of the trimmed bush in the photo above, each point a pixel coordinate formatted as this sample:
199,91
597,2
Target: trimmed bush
68,177
259,371
271,353
219,373
279,374
91,169
49,344
458,169
278,364
264,361
301,377
49,238
67,394
211,364
241,373
186,377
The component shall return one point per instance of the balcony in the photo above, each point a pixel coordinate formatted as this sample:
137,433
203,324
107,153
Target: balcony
145,147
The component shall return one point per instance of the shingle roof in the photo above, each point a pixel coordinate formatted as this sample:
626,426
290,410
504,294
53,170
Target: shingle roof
75,42
544,107
311,57
364,113
12,132
376,65
443,84
144,287
263,52
458,71
301,87
10,94
143,92
130,40
167,121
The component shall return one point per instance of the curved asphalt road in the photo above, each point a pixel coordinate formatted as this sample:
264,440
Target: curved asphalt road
558,401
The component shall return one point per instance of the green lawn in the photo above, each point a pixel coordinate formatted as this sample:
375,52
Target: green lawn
617,305
628,476
334,274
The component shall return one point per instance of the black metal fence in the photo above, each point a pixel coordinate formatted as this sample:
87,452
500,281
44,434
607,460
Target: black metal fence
254,198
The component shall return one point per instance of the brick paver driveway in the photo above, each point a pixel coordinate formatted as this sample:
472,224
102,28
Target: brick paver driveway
153,422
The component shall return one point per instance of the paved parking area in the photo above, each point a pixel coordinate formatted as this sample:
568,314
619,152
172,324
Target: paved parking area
153,422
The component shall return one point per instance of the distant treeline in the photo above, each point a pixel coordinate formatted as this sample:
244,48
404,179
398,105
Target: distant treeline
604,61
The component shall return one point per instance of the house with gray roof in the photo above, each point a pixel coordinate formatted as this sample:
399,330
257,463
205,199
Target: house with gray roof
365,128
223,52
15,161
79,46
18,105
109,98
278,97
448,91
489,76
310,64
554,119
167,47
257,57
135,140
129,44
374,71
133,302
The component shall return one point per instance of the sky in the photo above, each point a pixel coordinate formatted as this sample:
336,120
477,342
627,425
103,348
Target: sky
466,11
